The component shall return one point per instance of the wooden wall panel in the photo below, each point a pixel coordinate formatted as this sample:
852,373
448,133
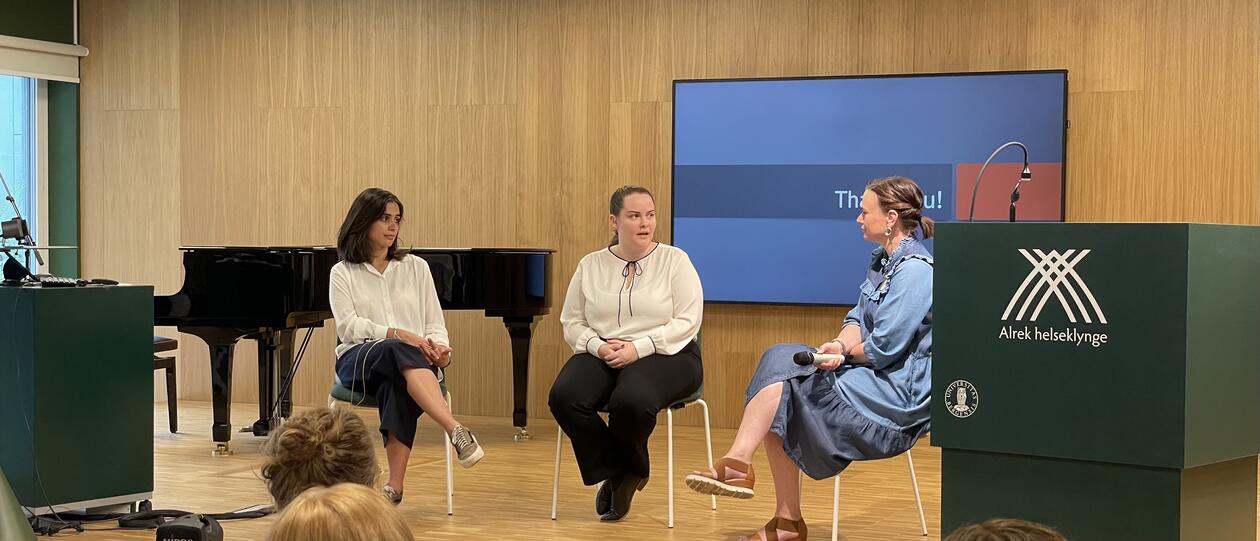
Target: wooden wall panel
758,37
300,56
508,124
143,57
470,52
887,39
833,45
130,147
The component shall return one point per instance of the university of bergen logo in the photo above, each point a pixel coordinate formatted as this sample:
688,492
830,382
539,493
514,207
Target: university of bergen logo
961,399
1055,273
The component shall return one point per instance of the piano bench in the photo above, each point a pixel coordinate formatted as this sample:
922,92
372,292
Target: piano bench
163,344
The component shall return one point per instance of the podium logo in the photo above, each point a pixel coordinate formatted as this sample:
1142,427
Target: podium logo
1054,275
961,399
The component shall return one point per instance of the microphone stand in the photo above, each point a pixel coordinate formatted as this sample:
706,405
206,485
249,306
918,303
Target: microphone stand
23,232
1024,176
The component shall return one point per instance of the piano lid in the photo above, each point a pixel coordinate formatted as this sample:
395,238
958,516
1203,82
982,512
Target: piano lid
287,286
334,249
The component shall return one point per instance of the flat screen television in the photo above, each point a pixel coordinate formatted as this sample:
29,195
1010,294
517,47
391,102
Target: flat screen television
768,173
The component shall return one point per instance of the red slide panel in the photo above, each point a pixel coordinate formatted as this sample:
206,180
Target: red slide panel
1041,199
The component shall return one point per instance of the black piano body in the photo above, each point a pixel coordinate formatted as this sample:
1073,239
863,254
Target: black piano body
269,293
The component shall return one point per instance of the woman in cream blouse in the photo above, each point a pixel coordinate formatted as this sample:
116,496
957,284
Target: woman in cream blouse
631,315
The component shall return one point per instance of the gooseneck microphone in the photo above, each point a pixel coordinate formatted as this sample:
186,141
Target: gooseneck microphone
808,357
1024,176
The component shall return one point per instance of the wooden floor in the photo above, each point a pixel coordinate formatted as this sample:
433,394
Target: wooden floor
508,495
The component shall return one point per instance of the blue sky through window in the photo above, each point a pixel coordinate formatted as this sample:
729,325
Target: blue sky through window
15,146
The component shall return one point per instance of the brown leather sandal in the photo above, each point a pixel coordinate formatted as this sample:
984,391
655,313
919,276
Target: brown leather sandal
718,484
778,523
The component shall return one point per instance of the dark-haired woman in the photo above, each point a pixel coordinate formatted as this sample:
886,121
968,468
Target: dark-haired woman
631,315
392,336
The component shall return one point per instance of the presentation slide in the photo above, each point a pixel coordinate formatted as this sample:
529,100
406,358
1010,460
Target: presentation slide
769,173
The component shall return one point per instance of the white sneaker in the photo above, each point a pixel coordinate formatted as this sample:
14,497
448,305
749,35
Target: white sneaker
466,446
394,496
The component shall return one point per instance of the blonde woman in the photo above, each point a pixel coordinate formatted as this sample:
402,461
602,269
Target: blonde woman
345,512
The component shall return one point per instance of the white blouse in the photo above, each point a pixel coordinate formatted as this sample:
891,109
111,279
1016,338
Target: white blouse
366,303
655,303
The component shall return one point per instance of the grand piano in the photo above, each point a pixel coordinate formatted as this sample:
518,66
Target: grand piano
269,293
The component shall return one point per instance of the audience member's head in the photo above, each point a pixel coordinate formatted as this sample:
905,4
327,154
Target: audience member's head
1006,529
344,512
319,447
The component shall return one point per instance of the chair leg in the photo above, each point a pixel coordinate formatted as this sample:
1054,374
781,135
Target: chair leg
450,482
450,476
914,481
555,482
172,400
918,501
708,443
669,434
835,511
669,430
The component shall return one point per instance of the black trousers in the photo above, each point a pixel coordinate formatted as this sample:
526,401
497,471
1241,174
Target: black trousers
632,396
376,368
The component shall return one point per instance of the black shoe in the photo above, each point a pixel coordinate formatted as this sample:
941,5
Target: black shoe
621,496
603,498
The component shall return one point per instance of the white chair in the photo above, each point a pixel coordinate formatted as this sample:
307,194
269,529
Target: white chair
669,430
914,481
341,393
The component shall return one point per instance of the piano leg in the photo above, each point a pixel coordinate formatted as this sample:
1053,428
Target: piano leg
275,357
284,356
266,382
221,396
275,362
521,330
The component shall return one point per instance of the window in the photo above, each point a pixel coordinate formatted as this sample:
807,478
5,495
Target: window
17,149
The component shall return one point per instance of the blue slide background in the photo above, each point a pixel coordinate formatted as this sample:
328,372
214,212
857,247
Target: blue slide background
757,164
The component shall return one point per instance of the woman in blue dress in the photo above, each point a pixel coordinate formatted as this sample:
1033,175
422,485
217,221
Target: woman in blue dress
873,404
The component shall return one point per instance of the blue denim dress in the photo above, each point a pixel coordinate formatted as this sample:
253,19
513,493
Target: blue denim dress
877,410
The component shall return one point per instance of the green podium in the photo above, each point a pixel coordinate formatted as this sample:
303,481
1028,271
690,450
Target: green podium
1100,378
76,395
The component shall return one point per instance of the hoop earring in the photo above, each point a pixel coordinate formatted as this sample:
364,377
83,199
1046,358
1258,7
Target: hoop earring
888,232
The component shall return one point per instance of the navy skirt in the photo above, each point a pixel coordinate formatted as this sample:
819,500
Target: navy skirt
376,368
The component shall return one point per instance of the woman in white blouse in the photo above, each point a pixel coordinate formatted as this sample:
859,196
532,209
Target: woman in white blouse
392,340
631,315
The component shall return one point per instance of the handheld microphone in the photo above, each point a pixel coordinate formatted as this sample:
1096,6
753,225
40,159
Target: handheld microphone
808,357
